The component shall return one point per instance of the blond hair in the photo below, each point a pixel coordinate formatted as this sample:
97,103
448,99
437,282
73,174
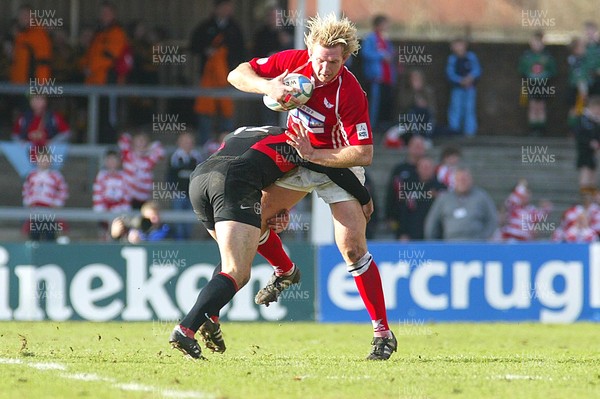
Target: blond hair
328,31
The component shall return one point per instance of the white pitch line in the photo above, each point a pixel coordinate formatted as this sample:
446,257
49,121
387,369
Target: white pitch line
169,393
91,377
11,361
86,377
47,366
512,377
133,386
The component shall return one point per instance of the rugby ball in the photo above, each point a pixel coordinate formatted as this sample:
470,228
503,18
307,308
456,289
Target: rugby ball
298,81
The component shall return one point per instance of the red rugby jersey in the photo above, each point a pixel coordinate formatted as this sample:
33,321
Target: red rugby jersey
337,113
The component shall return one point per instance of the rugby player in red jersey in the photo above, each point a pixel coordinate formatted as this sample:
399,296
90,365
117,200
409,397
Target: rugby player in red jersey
339,135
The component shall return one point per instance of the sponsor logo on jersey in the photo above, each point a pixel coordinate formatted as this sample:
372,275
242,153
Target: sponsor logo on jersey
310,118
327,103
362,131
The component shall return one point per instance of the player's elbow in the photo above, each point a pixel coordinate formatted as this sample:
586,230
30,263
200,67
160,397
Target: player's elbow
364,161
234,77
365,156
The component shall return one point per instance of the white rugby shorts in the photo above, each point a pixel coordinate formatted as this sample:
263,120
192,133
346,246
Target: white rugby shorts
302,179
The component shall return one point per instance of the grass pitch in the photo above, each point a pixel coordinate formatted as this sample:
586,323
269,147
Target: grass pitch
300,360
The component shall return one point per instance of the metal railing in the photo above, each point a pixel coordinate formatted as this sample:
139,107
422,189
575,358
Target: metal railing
93,94
16,213
78,214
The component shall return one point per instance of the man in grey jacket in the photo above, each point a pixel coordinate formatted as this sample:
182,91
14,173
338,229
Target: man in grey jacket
467,213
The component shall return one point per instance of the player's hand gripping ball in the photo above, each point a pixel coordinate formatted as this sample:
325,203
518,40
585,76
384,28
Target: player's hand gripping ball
304,88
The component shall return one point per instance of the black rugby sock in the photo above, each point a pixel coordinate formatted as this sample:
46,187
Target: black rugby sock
219,290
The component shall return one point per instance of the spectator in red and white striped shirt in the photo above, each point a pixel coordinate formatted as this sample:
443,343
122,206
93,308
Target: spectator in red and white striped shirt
522,219
139,159
580,231
44,188
110,188
572,229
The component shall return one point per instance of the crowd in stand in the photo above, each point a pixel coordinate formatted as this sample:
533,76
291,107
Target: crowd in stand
426,202
423,200
114,53
126,181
